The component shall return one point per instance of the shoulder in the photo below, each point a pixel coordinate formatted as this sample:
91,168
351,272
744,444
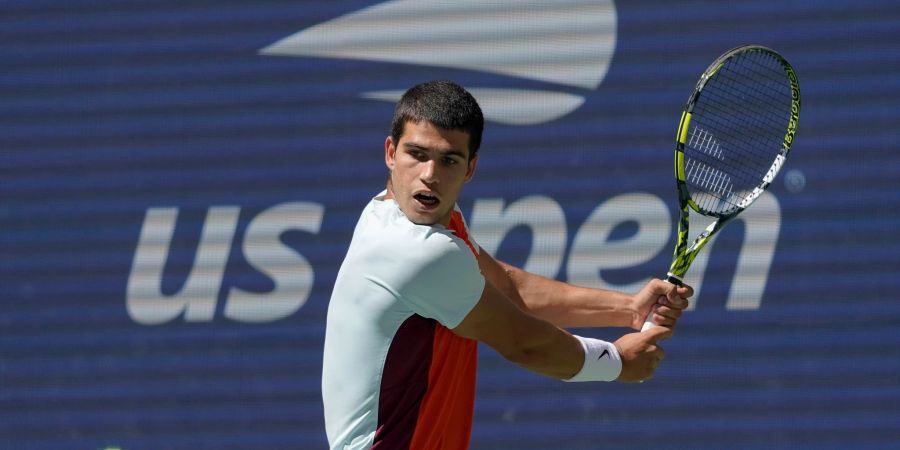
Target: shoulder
389,231
428,268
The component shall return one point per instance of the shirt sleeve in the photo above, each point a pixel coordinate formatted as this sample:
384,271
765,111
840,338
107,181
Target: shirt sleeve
442,281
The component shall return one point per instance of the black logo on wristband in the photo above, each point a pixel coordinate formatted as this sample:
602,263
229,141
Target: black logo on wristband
605,353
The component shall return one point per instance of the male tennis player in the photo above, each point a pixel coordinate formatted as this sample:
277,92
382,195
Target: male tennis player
415,294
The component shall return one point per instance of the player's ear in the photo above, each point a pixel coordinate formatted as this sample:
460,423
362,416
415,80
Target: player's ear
470,170
390,151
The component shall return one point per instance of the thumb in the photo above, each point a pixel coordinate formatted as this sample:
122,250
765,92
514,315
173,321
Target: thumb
657,333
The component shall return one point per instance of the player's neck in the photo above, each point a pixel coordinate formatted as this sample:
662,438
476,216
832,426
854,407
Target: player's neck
389,190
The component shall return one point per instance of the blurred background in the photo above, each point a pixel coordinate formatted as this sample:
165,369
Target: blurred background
179,181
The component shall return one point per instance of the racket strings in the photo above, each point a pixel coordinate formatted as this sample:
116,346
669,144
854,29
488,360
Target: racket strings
738,125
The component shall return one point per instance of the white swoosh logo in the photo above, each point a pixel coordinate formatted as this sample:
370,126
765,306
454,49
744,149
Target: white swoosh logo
566,43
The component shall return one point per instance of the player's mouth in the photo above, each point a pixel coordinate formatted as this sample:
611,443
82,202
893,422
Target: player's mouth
427,200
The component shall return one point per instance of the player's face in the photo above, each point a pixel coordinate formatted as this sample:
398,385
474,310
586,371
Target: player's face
429,166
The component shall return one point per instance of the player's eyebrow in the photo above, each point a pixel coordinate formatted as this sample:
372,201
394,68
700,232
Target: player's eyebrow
443,152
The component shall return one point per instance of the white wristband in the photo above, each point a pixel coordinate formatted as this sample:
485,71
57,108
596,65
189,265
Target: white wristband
602,361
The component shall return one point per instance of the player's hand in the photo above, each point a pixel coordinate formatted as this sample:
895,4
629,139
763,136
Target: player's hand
641,354
666,300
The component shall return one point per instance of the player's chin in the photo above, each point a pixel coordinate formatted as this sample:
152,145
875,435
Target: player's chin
420,217
427,215
427,221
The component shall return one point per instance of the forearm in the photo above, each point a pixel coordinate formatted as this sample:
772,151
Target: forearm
549,351
546,349
572,358
566,305
521,338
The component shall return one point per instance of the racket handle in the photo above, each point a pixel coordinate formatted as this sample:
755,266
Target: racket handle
648,322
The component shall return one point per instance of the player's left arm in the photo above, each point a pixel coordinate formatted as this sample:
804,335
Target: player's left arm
567,305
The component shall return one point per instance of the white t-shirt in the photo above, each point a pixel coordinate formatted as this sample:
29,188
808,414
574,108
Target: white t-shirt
395,273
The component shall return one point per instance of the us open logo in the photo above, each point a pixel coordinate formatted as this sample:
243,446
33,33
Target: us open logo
567,44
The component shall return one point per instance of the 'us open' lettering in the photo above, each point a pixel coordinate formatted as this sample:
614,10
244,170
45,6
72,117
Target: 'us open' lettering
196,301
580,258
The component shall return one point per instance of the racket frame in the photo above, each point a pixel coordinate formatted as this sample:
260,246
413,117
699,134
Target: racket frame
684,255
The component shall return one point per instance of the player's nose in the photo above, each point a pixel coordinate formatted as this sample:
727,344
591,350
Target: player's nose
429,172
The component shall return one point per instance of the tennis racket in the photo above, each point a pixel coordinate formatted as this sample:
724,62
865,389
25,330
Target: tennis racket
735,133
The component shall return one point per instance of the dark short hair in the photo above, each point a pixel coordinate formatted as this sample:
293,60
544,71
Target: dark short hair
446,105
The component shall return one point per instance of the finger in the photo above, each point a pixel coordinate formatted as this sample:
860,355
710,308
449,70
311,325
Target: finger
685,291
671,313
661,287
656,315
656,359
663,304
673,294
661,321
675,302
655,334
672,310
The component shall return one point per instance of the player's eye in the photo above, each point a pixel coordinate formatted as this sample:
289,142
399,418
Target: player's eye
418,155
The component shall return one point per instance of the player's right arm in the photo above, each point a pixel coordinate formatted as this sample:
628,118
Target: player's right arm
542,347
567,305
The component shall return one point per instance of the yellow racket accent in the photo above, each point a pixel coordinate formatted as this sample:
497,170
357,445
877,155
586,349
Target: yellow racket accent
682,130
